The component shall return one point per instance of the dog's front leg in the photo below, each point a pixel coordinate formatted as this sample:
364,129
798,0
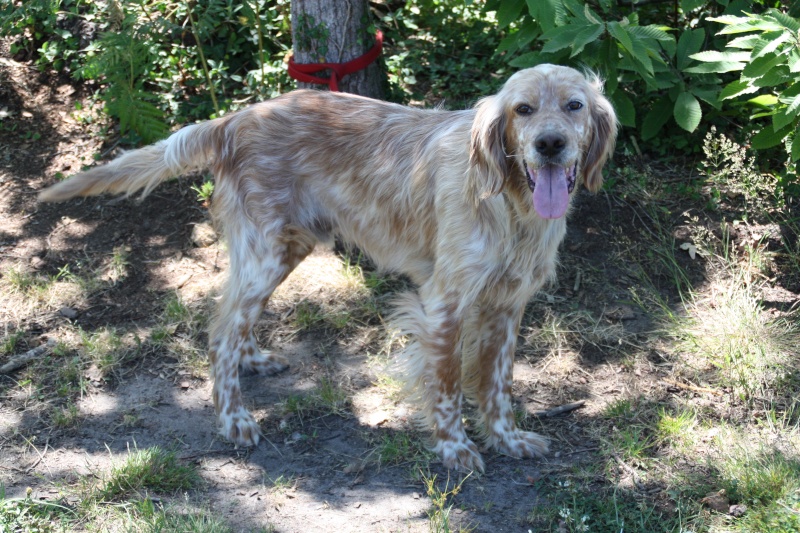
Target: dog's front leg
441,382
493,369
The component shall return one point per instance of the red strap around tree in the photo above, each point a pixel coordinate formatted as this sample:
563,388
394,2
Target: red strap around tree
338,70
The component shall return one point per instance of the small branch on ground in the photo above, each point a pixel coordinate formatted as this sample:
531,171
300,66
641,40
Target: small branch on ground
560,410
690,387
23,359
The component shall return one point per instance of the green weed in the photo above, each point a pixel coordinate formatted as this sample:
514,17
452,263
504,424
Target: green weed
152,469
204,191
730,330
105,348
327,398
307,315
439,520
10,341
35,516
65,417
400,447
764,479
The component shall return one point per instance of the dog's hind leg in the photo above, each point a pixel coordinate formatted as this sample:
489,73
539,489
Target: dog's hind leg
260,260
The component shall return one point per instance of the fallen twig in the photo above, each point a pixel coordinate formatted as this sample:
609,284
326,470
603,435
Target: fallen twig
560,410
20,360
690,387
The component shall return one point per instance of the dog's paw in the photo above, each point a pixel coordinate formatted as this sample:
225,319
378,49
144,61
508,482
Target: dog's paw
519,443
462,455
265,363
240,428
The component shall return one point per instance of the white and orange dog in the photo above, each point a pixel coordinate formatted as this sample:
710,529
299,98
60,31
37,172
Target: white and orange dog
471,205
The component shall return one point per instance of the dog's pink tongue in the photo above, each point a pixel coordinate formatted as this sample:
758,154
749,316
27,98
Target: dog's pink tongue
550,196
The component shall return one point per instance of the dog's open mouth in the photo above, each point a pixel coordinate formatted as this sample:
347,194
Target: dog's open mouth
551,186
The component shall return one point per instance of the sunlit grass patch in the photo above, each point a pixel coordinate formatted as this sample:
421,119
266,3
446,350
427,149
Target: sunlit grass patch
180,330
31,515
327,398
561,335
765,478
10,341
401,447
676,429
580,504
729,330
151,469
65,417
23,282
144,516
338,294
106,349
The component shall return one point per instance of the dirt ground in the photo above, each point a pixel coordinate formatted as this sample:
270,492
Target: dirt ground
335,480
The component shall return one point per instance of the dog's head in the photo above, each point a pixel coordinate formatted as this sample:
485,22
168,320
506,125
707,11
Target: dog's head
546,127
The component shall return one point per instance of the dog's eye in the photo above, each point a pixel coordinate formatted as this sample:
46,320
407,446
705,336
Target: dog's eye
524,109
574,105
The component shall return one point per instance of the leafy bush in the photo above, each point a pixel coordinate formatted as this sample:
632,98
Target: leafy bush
162,62
660,76
768,59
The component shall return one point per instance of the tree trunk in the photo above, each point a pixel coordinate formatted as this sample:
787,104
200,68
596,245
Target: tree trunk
335,31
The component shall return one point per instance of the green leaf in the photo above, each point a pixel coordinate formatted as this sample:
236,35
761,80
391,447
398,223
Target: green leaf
709,95
590,15
768,137
746,42
716,67
783,118
793,60
530,59
791,91
652,31
737,88
772,42
508,42
619,33
762,65
687,111
545,12
508,12
784,20
520,39
764,100
776,76
794,105
796,145
626,112
586,36
560,38
527,34
749,24
710,56
656,118
691,5
690,42
729,19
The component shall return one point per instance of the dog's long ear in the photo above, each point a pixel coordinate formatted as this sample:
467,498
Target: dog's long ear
601,146
489,165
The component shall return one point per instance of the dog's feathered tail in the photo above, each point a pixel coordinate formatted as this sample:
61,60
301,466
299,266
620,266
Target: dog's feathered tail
190,148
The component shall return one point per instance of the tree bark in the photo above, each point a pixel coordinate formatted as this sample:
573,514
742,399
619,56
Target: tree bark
335,31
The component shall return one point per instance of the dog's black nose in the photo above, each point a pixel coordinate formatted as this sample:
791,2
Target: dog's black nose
550,144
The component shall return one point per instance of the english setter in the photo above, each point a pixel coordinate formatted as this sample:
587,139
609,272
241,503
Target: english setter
471,205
